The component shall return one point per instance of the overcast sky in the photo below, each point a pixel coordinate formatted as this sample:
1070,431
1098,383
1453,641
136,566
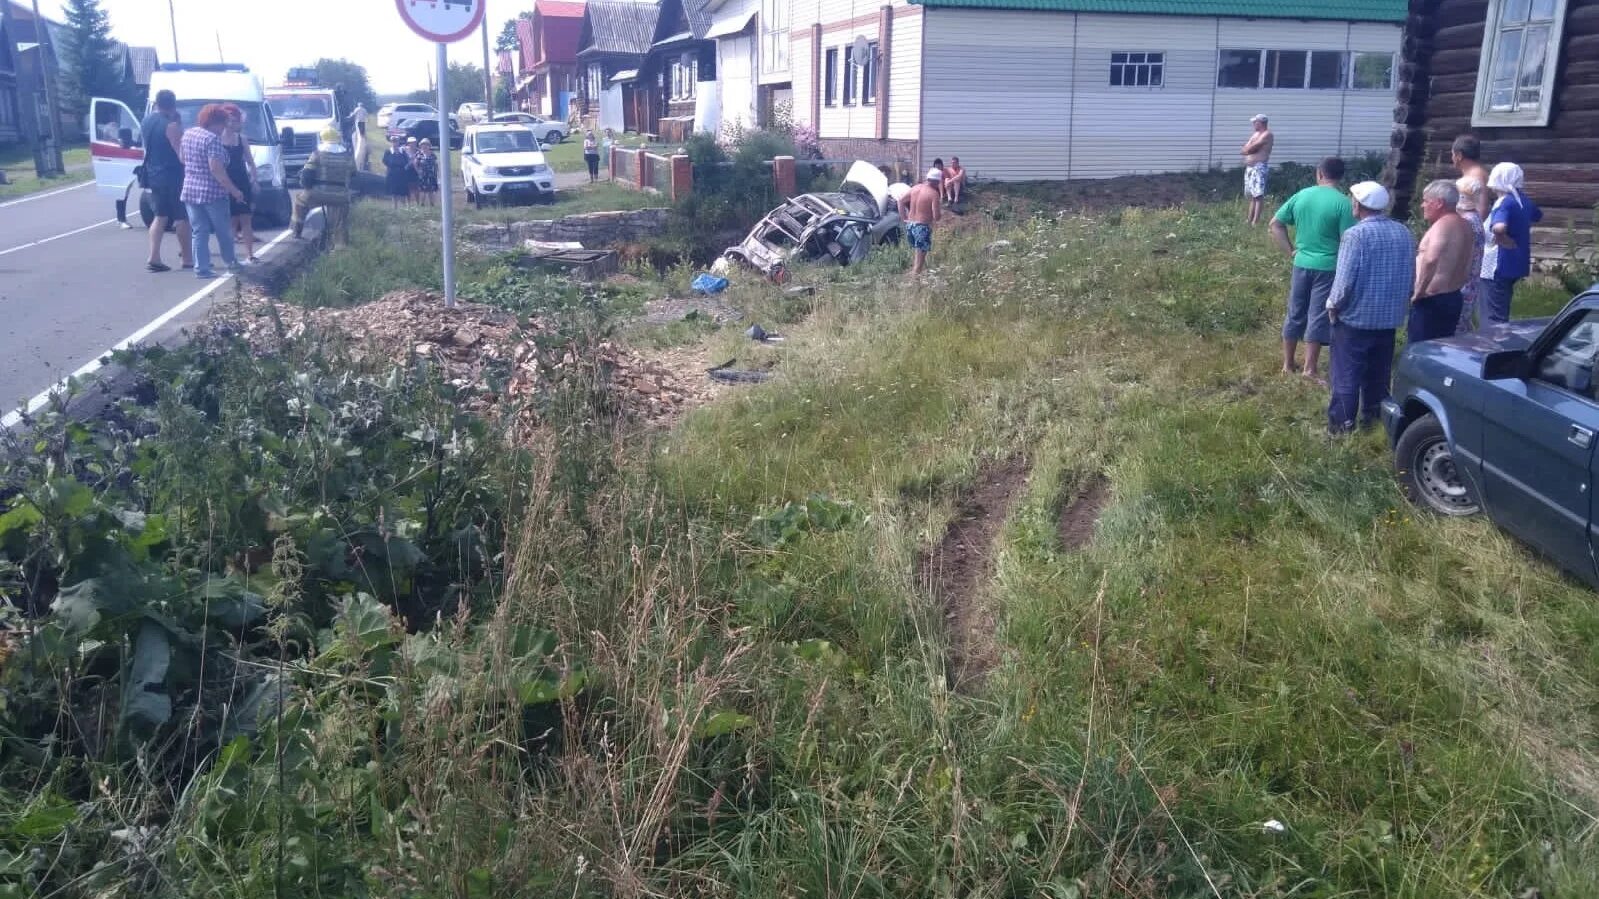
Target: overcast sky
271,37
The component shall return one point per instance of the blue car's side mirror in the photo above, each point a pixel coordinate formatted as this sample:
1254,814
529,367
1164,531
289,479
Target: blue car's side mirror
1504,364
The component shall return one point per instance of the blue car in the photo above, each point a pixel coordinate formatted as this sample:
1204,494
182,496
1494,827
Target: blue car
1503,421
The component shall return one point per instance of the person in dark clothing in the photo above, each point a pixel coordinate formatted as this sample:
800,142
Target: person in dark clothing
397,168
241,168
162,133
341,99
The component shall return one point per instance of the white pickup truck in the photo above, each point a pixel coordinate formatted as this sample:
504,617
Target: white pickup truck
309,111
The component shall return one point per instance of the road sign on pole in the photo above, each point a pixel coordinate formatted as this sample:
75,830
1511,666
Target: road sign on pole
443,22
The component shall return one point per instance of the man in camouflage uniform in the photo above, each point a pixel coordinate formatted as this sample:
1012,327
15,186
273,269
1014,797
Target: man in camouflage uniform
325,182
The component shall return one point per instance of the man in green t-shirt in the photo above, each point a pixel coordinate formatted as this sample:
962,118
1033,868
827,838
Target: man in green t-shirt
1319,216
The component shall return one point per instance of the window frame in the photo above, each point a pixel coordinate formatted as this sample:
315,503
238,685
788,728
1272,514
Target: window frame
1156,69
868,76
1260,68
1393,68
830,77
1535,371
850,95
1482,114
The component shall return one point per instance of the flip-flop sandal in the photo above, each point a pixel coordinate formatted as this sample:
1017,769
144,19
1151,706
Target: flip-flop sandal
156,268
189,267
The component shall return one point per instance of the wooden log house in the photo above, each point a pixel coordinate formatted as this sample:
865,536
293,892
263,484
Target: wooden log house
1523,76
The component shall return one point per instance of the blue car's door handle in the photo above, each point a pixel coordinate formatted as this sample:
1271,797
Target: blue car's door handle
1581,436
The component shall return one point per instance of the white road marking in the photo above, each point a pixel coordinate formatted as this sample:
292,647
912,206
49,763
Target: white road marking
98,362
49,193
45,240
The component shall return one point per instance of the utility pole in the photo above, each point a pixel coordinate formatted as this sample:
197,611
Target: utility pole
47,67
172,16
488,74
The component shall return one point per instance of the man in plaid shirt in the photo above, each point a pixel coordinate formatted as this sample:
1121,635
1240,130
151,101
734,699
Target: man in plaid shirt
207,189
1370,299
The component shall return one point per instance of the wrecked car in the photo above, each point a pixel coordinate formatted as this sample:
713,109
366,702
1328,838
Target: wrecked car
842,226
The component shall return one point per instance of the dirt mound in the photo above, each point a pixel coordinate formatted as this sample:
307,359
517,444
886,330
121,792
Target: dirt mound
955,572
1079,516
473,342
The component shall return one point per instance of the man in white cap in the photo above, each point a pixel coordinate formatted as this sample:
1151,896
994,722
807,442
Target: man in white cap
1257,165
921,206
1370,299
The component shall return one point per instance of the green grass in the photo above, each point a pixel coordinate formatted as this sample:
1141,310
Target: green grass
1260,628
17,162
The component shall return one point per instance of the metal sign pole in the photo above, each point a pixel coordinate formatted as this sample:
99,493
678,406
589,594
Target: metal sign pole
446,178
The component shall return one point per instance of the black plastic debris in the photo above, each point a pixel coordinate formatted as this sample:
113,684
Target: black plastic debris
727,374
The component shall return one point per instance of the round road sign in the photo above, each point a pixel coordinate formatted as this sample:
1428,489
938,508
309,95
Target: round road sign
443,21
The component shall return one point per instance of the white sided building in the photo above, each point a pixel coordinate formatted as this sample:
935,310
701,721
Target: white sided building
1068,89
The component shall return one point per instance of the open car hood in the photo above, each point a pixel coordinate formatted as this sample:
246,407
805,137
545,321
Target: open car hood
866,176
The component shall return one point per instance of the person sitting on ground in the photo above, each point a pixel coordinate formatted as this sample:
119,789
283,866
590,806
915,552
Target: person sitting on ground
1443,265
919,209
325,182
954,181
1320,215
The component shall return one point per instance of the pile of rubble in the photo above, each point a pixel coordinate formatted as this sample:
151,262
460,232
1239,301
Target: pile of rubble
471,344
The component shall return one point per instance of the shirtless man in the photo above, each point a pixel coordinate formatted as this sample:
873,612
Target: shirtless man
954,181
920,207
1257,158
1443,265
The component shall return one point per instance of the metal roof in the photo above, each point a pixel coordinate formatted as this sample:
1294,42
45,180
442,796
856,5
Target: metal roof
619,26
1344,10
564,9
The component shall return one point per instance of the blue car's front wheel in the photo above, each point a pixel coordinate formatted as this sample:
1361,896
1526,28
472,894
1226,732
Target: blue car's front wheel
1427,470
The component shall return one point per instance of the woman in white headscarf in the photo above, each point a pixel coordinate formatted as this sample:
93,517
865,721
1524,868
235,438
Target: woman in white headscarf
1507,257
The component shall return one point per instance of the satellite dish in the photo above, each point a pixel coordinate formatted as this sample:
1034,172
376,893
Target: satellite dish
860,52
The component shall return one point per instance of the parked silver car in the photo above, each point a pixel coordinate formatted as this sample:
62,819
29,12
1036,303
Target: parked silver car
842,226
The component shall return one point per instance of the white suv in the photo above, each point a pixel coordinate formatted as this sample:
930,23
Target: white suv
504,162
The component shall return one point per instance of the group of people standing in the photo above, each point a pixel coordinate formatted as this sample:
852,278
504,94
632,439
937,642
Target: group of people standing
202,179
411,171
1358,275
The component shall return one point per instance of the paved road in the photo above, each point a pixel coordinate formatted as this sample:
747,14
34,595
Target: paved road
73,285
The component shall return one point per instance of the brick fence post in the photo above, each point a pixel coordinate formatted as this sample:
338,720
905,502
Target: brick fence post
642,168
783,176
682,177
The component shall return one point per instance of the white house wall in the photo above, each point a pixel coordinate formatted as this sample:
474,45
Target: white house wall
611,108
735,69
905,78
1022,95
842,22
996,91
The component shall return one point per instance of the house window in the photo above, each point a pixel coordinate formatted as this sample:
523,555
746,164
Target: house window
1285,68
1137,69
1238,68
830,77
1515,79
1372,72
1328,70
869,76
849,78
774,35
682,76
